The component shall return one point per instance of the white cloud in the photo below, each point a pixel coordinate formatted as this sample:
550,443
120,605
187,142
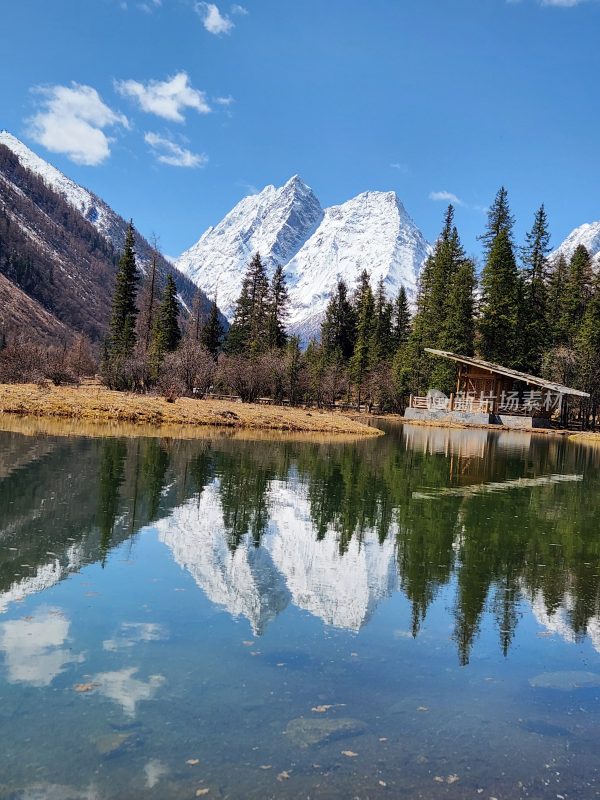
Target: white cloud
403,168
150,5
166,99
448,197
224,101
35,648
126,690
169,152
72,121
236,9
212,19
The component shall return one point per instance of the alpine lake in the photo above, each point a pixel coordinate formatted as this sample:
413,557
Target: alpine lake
415,615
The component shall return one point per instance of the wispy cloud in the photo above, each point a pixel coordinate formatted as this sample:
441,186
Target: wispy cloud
169,152
150,5
71,120
167,99
224,101
240,10
562,3
401,167
446,197
554,3
212,19
248,187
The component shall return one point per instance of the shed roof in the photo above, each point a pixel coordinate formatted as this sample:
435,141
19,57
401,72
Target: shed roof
509,373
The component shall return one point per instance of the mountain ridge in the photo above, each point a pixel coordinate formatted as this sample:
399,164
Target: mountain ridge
315,246
59,245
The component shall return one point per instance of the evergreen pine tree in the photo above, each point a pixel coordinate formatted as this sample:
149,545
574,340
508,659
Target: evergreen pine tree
557,281
150,304
535,329
166,333
362,357
500,304
587,346
500,310
400,320
577,293
278,307
338,330
211,333
238,335
499,219
382,336
435,282
124,310
458,331
249,330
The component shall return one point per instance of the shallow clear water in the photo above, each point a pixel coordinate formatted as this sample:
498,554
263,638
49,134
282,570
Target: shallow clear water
416,616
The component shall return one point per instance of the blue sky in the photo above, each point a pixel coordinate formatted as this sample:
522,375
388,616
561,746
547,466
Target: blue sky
185,106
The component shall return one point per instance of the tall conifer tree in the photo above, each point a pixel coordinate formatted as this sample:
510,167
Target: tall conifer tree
557,281
249,330
587,345
535,330
166,332
338,331
577,293
401,319
499,340
124,310
211,334
278,309
362,357
382,335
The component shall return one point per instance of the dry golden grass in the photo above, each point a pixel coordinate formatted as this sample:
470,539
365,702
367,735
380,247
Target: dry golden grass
587,437
94,403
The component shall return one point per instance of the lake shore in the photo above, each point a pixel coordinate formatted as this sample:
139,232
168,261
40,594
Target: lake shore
100,405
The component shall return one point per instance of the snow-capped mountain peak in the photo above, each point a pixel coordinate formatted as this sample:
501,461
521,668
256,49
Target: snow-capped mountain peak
287,226
587,234
275,222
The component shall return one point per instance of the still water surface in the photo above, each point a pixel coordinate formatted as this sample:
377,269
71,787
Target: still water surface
416,616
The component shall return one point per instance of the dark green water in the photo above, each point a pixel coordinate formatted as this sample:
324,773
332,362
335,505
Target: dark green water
416,616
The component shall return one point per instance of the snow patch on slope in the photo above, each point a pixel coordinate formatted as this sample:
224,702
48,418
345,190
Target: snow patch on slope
86,203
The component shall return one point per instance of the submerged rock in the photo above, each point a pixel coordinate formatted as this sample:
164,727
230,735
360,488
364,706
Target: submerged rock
113,743
565,681
306,732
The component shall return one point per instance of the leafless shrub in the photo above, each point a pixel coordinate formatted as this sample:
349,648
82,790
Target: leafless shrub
22,362
191,368
334,383
242,376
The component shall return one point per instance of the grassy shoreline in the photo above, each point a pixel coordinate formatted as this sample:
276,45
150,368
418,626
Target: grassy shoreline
94,403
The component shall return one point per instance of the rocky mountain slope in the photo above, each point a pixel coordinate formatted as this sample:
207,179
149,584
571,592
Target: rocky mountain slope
59,246
316,247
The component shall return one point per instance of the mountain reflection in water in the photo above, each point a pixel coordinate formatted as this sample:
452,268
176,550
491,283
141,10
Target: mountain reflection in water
332,529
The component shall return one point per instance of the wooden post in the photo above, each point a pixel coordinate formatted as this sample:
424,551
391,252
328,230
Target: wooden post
451,406
410,405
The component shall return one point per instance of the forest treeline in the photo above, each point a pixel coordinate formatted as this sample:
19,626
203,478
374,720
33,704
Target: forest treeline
520,309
